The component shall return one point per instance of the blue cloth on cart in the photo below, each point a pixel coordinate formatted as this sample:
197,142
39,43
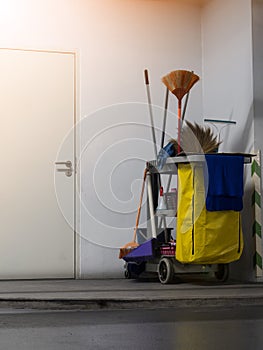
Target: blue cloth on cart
166,152
225,182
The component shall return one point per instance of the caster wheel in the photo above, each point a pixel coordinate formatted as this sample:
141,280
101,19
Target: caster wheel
127,274
222,273
165,271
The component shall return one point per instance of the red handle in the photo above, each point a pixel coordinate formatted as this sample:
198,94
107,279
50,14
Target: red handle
179,127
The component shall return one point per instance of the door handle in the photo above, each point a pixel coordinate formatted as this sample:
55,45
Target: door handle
68,170
67,163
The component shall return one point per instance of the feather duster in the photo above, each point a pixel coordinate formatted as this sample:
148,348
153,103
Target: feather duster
197,139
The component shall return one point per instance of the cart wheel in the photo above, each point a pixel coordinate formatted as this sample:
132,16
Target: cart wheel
127,274
222,273
165,271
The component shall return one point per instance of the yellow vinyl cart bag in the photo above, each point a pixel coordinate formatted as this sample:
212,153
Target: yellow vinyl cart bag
204,237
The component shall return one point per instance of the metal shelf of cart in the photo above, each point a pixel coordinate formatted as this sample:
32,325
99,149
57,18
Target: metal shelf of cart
166,212
170,166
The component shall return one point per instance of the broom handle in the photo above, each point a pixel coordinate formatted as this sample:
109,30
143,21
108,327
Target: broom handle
186,102
150,110
139,207
165,116
179,126
185,105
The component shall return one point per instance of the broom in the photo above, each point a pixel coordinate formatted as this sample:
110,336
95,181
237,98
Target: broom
128,247
180,82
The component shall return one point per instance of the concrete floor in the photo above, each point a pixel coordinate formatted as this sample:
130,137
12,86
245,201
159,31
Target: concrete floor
121,293
183,329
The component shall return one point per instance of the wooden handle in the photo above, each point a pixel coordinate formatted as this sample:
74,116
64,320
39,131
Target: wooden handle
146,77
140,205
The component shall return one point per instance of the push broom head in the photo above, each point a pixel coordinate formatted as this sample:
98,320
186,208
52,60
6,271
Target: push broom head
179,82
127,248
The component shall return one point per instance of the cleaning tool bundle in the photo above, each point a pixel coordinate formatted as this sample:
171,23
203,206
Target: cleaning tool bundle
180,82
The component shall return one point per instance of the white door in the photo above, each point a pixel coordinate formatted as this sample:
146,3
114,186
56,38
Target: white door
37,107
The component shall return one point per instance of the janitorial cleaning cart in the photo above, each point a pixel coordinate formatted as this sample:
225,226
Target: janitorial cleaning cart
205,240
204,204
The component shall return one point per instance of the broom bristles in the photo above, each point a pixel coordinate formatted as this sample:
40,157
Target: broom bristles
127,248
179,82
197,139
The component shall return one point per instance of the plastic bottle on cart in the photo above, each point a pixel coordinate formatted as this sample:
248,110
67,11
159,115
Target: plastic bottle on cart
162,202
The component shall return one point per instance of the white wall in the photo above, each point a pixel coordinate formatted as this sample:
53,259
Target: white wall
227,70
228,92
115,40
128,37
